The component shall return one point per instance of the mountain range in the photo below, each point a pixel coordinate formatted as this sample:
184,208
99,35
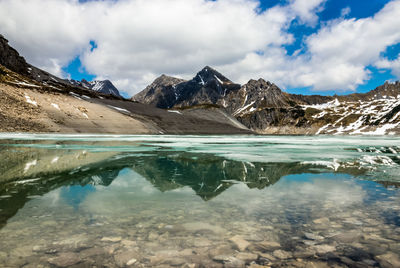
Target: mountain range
36,101
264,108
33,100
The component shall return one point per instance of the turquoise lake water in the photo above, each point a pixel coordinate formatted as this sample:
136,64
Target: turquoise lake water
199,201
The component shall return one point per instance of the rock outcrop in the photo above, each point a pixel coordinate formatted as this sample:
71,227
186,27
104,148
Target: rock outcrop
10,58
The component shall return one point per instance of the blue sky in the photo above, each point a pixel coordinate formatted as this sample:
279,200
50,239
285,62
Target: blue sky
304,46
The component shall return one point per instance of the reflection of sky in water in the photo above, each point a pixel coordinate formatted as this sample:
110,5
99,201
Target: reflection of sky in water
75,195
333,192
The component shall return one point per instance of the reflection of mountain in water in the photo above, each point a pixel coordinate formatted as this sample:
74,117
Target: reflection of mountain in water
210,175
206,174
17,193
17,163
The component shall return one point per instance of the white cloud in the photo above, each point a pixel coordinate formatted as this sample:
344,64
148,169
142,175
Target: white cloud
49,33
336,57
137,40
345,11
341,51
306,10
393,65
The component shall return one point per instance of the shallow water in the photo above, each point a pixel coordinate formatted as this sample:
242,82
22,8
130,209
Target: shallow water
199,201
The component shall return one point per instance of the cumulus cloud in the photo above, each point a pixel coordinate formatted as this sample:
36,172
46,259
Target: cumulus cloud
337,56
141,39
307,10
49,33
344,48
137,40
393,65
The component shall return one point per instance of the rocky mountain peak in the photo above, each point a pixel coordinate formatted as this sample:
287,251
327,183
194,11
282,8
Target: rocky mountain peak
255,95
261,84
265,90
208,74
166,80
161,93
105,87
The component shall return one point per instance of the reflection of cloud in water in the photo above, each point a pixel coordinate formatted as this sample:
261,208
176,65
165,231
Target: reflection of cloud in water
125,191
345,193
53,198
303,190
132,182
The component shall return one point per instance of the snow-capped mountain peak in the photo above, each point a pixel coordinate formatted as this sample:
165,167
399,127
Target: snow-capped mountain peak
209,75
104,86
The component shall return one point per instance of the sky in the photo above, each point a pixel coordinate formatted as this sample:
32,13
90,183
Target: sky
303,46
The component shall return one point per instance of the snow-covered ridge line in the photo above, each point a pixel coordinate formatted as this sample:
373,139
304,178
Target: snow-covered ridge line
367,117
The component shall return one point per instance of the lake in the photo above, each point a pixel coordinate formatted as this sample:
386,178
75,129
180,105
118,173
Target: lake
199,201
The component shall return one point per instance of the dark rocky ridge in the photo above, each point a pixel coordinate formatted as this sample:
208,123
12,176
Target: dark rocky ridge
258,104
10,58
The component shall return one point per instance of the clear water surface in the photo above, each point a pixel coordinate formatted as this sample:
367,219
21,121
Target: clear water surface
199,201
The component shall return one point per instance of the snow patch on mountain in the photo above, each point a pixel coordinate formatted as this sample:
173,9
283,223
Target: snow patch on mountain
374,114
29,100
